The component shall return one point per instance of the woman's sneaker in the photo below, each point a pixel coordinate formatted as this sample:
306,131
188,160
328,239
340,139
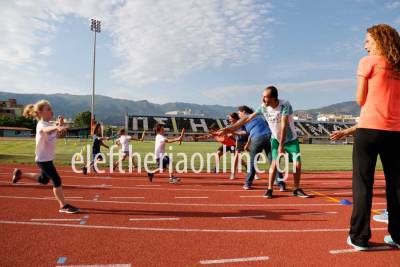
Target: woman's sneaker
69,209
16,176
357,247
300,193
388,240
383,217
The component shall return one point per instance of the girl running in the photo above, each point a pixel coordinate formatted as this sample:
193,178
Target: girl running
97,143
46,137
123,140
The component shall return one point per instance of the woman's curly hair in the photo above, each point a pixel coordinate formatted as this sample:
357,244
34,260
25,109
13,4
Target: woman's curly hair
388,41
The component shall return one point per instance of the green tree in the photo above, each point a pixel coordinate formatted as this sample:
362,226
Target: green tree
82,119
19,121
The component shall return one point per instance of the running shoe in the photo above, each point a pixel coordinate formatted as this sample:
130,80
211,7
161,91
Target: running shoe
247,187
388,240
174,180
357,247
268,194
232,176
84,170
16,175
69,209
257,177
300,193
383,217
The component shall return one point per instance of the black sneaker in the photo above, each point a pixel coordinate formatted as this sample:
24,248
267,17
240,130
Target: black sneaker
268,194
150,176
282,186
84,171
69,209
300,193
16,176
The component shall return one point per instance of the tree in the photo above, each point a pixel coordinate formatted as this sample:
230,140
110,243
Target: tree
19,121
82,119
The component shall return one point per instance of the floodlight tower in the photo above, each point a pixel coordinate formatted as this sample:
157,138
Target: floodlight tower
95,27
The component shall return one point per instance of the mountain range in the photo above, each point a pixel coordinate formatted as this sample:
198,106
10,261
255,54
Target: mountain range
112,110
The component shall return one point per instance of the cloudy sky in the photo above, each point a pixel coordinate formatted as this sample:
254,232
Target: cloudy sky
198,51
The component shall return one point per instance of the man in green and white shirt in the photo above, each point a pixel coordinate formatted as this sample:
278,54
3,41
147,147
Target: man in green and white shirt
279,115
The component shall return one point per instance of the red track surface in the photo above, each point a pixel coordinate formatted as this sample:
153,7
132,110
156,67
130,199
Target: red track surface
289,231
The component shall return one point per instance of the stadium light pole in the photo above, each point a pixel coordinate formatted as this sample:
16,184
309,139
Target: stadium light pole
96,28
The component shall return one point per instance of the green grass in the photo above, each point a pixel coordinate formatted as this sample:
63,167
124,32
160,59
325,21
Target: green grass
314,157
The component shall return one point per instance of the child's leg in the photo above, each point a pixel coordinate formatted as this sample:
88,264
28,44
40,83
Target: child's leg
119,161
18,175
59,195
50,172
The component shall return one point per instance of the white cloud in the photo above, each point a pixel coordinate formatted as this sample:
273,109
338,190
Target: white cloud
393,5
160,41
156,40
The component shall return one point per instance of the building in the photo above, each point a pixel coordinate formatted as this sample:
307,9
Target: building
6,131
182,112
327,117
10,108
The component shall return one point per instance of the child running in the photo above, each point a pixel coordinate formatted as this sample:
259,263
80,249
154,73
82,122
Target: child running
97,143
123,140
46,137
163,160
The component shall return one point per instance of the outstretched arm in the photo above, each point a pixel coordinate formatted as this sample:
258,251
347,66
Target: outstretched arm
336,135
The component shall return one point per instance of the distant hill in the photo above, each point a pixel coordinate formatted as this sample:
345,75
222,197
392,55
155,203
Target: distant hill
349,107
112,110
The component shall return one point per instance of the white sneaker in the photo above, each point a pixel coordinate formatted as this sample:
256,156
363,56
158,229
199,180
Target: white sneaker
257,177
388,240
232,176
356,247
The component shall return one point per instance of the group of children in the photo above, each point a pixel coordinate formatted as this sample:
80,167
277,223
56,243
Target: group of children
47,133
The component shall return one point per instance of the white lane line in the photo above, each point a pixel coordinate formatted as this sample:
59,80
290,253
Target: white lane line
154,219
109,227
126,197
189,197
319,213
244,217
97,265
66,197
352,250
56,220
206,262
192,204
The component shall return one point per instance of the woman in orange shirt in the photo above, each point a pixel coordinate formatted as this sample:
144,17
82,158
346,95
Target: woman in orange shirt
378,133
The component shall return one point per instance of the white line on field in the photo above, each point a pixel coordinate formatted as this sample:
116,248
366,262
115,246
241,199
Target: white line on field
220,261
193,204
126,197
189,197
109,227
352,250
154,219
56,220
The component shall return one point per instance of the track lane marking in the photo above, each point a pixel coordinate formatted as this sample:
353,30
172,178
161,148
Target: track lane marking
154,229
221,261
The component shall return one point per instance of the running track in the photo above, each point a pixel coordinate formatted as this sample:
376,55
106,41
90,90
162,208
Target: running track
207,220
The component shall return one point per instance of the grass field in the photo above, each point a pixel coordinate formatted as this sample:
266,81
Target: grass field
314,157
